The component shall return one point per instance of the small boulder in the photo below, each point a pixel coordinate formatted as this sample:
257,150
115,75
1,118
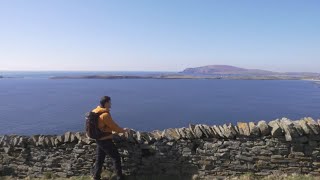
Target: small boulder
254,130
264,128
276,130
244,129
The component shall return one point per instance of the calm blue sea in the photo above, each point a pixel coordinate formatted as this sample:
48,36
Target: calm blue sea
33,104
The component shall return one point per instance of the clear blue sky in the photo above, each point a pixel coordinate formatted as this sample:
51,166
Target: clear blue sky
163,35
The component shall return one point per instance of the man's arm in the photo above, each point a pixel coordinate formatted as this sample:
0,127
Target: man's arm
113,126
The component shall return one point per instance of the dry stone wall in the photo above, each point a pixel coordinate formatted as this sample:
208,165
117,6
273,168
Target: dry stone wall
202,151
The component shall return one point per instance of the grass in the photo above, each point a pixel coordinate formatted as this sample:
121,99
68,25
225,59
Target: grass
250,176
108,175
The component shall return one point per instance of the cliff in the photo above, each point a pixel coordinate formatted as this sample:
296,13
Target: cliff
202,151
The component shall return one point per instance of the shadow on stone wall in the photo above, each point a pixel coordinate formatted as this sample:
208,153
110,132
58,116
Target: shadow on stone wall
162,159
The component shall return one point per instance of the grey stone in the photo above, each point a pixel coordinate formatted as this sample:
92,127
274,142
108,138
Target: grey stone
170,134
1,140
305,127
73,137
298,128
289,129
131,135
314,126
181,133
78,136
156,134
143,137
15,141
264,128
254,130
244,158
62,174
41,141
188,133
57,141
197,131
22,141
191,128
7,150
218,131
229,131
276,130
236,129
47,141
67,137
35,139
208,131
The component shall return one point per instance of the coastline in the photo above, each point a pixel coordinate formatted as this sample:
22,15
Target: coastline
179,76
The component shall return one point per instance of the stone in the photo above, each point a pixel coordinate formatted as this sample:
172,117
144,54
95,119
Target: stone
181,133
244,129
78,136
22,141
67,137
62,174
156,134
222,130
171,134
52,139
289,129
15,141
7,150
142,137
236,129
218,131
1,140
131,135
57,141
34,139
191,128
305,127
47,141
229,131
298,128
276,130
41,141
197,131
254,130
244,158
188,133
314,126
208,131
73,137
264,128
60,139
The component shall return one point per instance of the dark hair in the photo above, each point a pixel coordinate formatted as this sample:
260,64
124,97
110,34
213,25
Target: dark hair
103,100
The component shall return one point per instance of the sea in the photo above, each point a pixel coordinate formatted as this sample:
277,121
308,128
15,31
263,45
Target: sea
32,103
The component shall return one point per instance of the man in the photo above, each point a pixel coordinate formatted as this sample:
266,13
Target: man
105,144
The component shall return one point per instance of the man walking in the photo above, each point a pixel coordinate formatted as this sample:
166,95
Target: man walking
105,145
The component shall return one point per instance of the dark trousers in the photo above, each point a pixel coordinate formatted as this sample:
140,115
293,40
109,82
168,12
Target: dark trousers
107,147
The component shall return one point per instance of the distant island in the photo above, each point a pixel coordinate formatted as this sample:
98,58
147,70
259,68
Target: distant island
225,70
211,72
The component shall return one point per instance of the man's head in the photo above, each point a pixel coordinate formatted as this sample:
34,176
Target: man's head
105,102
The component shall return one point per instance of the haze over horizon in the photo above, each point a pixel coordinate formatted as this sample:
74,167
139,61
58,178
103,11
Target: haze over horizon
169,35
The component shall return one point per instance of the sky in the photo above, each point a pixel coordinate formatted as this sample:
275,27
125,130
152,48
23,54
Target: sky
163,35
